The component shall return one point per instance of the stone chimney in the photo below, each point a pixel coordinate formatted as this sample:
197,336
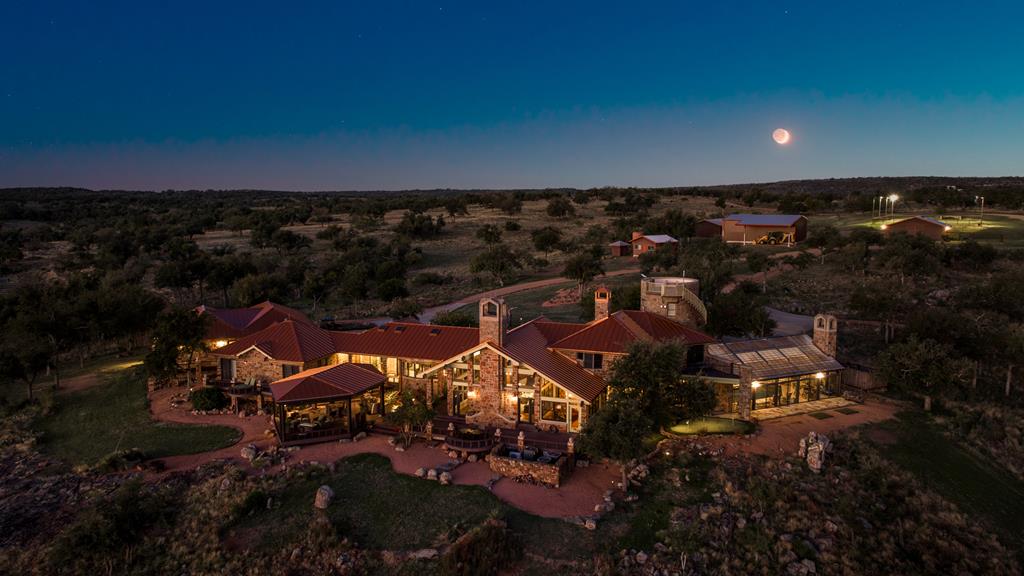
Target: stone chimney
637,234
824,335
493,320
602,303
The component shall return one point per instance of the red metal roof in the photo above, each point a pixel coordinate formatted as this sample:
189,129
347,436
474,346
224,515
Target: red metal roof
229,323
408,340
615,333
553,331
527,344
287,341
327,383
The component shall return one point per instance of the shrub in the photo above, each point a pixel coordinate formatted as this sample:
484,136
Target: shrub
486,549
208,399
512,225
120,460
104,538
424,278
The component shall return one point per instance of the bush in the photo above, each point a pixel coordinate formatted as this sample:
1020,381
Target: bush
120,460
512,225
208,399
424,278
486,549
455,318
104,538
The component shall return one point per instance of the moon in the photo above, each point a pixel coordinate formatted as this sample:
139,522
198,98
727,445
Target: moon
781,135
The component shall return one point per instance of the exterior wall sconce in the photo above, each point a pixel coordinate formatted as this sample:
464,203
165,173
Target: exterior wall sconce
755,384
820,375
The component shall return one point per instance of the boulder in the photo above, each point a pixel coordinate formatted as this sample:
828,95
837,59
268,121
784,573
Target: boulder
424,554
641,558
431,474
250,452
445,478
358,437
471,458
323,497
399,448
420,472
590,524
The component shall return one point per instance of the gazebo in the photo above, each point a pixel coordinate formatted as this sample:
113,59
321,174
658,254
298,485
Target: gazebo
327,403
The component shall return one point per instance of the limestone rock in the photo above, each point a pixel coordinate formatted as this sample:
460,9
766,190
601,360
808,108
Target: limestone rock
432,474
471,458
445,478
358,437
590,524
324,495
641,558
250,452
424,554
420,472
399,448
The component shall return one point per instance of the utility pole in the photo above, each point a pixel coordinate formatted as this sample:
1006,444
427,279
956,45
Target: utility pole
981,217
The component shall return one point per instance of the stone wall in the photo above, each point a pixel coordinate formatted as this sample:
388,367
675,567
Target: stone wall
825,334
255,364
535,472
491,407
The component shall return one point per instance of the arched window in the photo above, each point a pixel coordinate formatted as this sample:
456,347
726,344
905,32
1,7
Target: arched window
490,309
821,322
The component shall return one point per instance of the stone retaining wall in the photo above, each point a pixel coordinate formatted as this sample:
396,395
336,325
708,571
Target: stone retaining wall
525,470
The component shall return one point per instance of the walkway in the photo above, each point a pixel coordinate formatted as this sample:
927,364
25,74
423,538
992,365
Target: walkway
763,414
583,490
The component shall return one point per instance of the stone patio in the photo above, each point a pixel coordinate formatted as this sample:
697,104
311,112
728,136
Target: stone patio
796,409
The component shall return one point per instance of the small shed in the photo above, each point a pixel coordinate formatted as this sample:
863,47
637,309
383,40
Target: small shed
620,248
710,228
922,225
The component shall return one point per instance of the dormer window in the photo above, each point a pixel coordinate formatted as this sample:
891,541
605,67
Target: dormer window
590,361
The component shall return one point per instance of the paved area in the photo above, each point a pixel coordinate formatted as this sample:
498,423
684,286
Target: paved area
781,436
801,408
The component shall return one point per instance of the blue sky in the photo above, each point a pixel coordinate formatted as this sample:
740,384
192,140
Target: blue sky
389,95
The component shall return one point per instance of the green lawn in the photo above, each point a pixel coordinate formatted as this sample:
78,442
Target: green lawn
87,425
977,486
375,506
712,425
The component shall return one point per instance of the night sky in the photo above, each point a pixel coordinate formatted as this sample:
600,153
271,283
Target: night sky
390,95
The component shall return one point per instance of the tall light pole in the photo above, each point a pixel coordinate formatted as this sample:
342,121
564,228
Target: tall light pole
880,200
981,217
892,206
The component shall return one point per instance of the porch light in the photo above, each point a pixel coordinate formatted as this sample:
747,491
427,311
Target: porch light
819,375
755,384
471,393
220,343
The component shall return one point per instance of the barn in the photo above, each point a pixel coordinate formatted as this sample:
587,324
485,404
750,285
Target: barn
710,228
922,225
762,228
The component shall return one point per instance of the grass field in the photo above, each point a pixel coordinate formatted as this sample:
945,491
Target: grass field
89,424
978,487
999,229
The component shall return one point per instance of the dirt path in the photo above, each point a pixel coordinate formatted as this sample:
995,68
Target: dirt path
251,428
427,315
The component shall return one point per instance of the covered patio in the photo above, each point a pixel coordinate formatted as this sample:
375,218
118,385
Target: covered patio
327,403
